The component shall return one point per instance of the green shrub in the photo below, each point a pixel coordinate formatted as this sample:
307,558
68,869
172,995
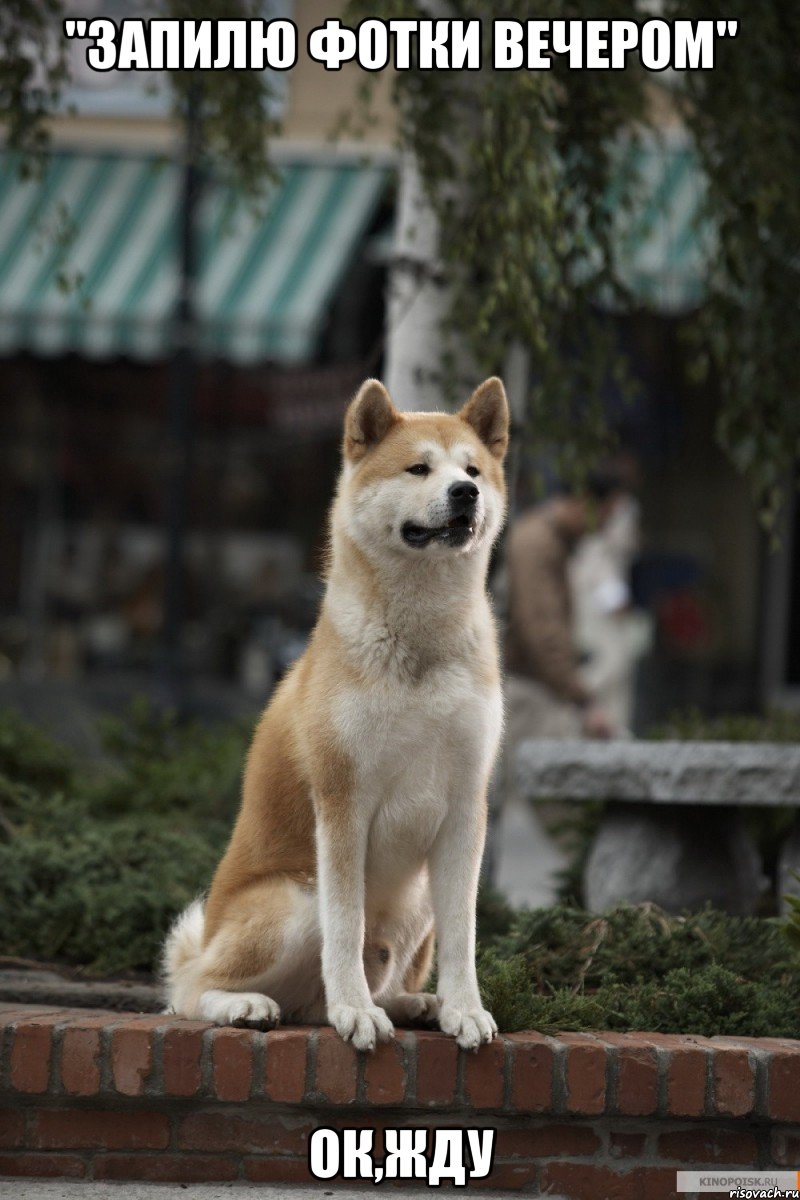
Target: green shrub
637,968
692,725
100,894
30,756
95,863
160,765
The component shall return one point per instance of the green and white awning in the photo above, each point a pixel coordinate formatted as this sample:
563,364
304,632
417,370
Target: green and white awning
89,253
663,246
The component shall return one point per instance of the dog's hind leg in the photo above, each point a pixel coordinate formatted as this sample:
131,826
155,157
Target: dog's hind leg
261,959
411,1004
251,1009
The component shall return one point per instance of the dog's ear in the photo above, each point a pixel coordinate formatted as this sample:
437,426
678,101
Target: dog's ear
487,412
369,418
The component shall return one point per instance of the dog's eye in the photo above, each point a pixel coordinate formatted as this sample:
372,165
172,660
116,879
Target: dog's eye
472,471
419,469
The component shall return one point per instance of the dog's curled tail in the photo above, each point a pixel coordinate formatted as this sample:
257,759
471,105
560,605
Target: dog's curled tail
182,950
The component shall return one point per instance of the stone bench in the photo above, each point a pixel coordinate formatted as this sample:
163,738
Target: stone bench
672,831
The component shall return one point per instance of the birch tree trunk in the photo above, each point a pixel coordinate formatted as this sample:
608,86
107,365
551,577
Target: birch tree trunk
418,299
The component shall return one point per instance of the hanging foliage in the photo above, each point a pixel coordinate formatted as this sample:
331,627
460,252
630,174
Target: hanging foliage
237,106
520,169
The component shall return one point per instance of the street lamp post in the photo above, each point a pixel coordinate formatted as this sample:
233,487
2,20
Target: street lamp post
182,382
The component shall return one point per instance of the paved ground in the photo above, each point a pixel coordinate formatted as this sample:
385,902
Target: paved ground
527,858
24,1189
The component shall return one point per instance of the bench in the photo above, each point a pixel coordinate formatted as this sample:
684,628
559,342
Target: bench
672,831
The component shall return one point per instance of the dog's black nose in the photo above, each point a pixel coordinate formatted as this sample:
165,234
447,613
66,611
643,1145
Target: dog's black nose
462,494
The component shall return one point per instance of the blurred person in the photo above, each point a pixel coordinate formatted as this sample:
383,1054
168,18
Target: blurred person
611,634
547,695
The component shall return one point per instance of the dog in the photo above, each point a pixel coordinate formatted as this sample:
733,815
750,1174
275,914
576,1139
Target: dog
363,812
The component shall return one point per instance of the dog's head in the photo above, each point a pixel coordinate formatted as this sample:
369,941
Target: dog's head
427,484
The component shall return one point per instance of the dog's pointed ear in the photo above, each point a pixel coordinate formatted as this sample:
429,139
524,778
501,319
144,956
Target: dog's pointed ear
369,418
487,412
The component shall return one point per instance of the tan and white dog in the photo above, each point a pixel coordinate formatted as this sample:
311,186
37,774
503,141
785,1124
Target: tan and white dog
364,802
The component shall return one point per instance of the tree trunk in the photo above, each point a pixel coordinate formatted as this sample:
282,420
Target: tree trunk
417,301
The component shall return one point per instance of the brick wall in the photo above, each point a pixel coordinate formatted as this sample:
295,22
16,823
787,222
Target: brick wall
102,1095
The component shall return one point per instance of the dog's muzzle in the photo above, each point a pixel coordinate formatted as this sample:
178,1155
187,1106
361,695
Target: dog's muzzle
462,498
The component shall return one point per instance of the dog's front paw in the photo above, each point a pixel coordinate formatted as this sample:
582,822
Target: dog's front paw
468,1025
361,1026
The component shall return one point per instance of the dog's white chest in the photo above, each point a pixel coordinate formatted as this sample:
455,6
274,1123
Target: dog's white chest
415,751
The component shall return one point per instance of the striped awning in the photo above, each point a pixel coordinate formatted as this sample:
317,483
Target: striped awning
89,257
663,245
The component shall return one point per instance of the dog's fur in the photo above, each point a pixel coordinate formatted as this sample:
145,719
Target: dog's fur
363,812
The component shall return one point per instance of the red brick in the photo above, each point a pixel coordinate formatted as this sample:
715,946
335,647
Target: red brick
166,1168
10,1014
278,1170
437,1062
32,1052
337,1068
132,1058
585,1074
74,1129
385,1073
512,1177
637,1074
785,1148
41,1166
532,1059
286,1065
658,1183
581,1181
484,1075
12,1128
687,1071
626,1145
584,1182
548,1141
182,1049
374,1123
80,1061
709,1147
784,1085
217,1132
734,1083
751,1043
232,1063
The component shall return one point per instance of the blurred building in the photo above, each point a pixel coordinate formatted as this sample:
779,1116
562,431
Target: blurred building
290,316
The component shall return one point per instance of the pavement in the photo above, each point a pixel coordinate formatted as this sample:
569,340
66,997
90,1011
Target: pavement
526,857
56,1189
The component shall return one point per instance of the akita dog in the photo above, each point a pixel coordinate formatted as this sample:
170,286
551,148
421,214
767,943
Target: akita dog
363,814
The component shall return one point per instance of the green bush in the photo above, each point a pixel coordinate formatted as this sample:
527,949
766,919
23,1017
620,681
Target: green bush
95,863
30,756
637,968
691,725
162,766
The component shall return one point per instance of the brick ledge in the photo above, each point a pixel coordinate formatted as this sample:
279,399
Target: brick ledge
121,1095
